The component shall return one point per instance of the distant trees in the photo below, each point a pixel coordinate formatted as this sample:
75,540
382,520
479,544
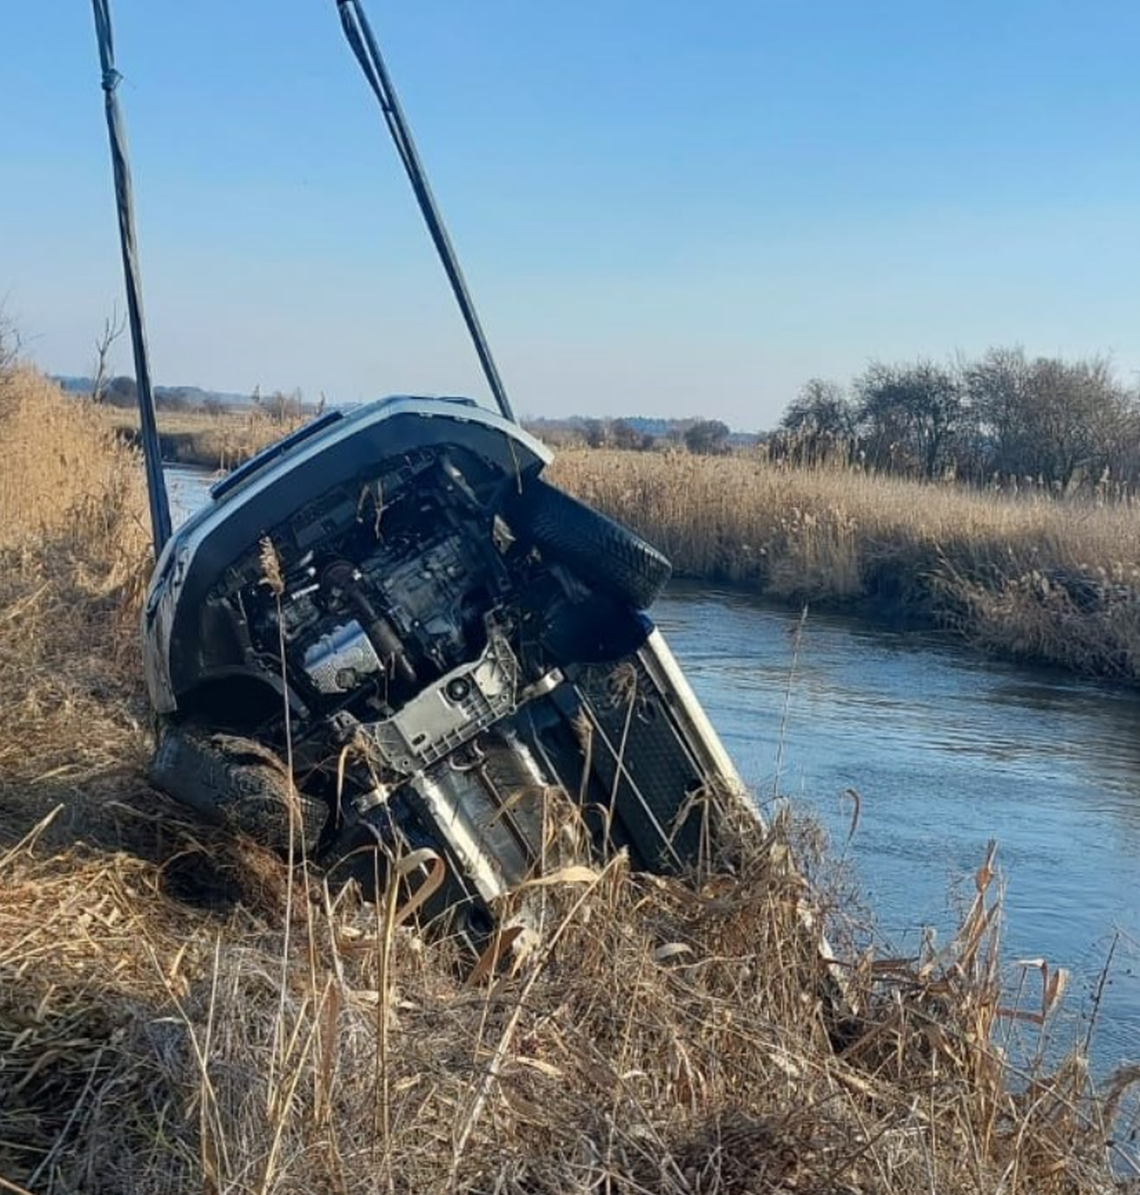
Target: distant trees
121,391
820,424
174,399
910,415
625,436
595,433
1055,422
279,406
707,437
1049,419
616,433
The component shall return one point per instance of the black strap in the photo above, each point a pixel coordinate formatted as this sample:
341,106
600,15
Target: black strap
359,35
155,482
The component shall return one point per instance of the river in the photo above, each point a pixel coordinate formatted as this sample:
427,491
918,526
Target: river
946,750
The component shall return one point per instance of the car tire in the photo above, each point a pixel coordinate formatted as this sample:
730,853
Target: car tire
238,783
601,551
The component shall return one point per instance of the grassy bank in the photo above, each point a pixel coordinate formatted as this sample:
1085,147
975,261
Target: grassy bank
1027,575
179,1011
206,440
1054,581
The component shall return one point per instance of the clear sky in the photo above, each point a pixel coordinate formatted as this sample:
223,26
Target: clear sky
661,207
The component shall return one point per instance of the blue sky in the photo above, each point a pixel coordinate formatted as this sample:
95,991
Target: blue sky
661,208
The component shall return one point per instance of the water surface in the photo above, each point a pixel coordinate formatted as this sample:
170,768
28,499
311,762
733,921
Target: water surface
947,750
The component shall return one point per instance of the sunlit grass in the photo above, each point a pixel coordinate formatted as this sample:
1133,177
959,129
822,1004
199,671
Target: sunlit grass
1056,580
157,1035
211,440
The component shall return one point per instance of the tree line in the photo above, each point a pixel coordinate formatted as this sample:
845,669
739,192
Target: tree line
705,437
122,391
1003,417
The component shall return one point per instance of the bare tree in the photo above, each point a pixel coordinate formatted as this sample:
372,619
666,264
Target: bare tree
1077,415
707,437
282,407
997,390
9,342
912,414
1052,420
113,327
596,433
627,437
821,421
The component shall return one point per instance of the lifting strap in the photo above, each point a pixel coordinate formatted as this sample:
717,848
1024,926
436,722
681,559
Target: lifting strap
363,44
360,38
155,482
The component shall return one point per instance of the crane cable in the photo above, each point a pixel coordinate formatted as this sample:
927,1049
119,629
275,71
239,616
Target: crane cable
363,44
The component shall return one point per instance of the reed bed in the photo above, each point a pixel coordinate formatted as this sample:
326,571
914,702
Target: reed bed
73,561
181,1011
209,440
1025,574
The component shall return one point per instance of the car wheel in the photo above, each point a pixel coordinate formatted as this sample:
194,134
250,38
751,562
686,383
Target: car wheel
602,552
237,782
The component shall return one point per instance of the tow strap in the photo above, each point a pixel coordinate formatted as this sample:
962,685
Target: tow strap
360,38
155,482
363,44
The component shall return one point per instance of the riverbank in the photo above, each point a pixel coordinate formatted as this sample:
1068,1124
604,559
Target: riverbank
204,440
1027,575
1022,574
181,1011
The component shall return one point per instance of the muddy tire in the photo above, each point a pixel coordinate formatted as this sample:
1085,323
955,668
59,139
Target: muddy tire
238,783
603,553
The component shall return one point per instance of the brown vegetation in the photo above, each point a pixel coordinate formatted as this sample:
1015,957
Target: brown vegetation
177,1013
1019,572
210,439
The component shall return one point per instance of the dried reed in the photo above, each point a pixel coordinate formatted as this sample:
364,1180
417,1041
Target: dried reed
157,1036
210,440
1026,573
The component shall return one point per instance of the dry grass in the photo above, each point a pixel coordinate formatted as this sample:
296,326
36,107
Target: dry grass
73,562
219,440
1025,574
177,1014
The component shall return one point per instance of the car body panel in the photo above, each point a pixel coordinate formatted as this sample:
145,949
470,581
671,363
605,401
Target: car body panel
273,483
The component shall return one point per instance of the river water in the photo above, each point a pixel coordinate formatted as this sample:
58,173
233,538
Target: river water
946,750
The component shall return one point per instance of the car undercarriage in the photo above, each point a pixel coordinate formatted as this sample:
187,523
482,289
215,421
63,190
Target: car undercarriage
391,634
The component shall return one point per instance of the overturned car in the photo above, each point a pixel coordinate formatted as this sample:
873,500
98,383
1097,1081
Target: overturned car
387,638
389,632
